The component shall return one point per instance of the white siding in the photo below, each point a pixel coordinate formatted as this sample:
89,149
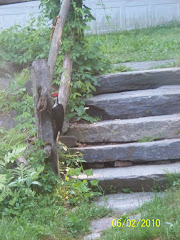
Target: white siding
18,13
111,15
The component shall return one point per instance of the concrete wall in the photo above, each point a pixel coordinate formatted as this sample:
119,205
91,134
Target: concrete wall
111,15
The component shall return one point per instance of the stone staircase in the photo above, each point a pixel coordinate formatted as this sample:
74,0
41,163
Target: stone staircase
137,141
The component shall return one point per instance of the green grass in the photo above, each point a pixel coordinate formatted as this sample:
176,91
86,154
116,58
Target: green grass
165,208
167,65
50,222
119,68
154,43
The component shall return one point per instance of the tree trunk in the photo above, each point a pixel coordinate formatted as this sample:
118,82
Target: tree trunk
56,40
40,77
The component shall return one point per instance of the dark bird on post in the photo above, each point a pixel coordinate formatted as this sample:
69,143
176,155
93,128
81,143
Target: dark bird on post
57,116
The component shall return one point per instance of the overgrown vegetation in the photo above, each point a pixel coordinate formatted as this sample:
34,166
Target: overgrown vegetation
33,201
24,45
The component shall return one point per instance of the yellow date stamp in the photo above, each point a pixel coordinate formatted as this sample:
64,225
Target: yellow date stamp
136,223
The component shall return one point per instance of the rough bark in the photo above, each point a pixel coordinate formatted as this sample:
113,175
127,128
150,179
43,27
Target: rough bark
40,77
56,40
64,88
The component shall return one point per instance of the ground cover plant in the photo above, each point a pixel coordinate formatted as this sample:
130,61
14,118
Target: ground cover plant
153,43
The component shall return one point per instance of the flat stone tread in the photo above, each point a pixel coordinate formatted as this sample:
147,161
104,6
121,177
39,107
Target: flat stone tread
144,171
127,145
161,118
163,150
127,130
137,80
134,104
165,90
129,73
123,203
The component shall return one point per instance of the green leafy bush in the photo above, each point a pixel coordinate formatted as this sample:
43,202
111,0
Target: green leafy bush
24,45
21,186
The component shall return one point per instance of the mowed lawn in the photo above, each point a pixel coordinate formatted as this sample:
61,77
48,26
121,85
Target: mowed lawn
154,43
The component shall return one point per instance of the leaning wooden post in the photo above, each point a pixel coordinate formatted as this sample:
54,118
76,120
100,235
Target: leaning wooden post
56,40
40,77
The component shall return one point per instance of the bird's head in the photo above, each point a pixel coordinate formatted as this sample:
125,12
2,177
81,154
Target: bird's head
54,95
55,98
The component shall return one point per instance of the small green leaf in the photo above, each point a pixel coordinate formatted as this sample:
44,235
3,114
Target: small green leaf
94,182
89,172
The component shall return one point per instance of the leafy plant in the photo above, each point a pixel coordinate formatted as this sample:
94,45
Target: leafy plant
20,186
126,190
24,45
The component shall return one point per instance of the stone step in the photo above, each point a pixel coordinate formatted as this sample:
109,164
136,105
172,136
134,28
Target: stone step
135,152
152,102
136,80
135,178
129,130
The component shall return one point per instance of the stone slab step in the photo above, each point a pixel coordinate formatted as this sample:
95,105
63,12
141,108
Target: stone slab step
129,130
135,152
142,103
136,80
124,203
135,178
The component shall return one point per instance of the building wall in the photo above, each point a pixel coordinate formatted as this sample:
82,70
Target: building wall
18,13
130,14
111,15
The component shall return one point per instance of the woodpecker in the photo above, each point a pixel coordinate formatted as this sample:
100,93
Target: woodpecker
57,115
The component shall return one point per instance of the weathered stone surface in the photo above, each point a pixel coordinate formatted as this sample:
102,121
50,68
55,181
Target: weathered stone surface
135,152
69,141
92,236
4,82
152,102
130,130
145,65
101,224
7,120
137,80
136,178
123,203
